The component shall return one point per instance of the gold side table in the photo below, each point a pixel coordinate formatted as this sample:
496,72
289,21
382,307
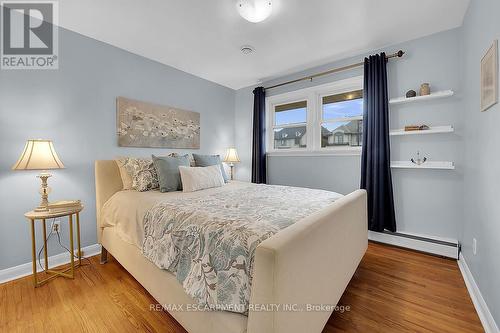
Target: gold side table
32,216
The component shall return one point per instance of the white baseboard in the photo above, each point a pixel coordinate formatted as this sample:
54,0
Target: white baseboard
489,324
16,272
434,245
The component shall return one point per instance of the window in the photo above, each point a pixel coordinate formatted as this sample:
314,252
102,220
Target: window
326,119
290,125
342,119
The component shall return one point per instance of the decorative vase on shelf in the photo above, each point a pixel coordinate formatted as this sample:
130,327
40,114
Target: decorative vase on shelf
425,89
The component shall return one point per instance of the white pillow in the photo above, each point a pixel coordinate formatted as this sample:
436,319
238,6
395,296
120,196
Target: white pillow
200,178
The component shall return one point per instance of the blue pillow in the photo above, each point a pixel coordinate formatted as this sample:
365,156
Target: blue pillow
208,160
167,168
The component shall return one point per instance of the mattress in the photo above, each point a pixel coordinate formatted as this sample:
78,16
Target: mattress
125,210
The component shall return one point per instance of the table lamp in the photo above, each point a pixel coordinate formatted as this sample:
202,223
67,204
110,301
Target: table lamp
231,158
40,155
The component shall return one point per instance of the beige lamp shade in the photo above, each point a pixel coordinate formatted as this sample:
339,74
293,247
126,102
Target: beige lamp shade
38,155
231,156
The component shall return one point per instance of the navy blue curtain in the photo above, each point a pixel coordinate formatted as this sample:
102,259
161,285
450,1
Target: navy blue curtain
259,140
376,176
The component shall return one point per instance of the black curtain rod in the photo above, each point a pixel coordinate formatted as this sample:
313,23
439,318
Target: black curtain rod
398,54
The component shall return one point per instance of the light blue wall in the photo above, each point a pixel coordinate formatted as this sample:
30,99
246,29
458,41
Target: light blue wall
427,201
482,161
75,106
335,173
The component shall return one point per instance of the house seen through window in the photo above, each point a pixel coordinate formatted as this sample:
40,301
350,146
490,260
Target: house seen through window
290,121
342,119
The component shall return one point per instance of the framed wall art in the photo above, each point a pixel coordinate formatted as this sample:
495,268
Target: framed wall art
489,77
142,124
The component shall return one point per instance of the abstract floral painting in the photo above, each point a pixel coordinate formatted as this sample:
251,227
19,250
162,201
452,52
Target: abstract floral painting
141,124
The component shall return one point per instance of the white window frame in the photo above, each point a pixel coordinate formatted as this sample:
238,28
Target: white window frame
271,103
314,98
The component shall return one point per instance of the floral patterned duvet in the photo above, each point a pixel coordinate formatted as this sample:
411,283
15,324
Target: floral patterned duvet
209,241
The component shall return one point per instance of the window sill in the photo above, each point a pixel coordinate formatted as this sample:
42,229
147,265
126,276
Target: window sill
324,152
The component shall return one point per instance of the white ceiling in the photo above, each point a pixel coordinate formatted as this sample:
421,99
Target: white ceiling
203,37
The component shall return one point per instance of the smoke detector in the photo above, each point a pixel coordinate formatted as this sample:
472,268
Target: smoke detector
247,49
254,10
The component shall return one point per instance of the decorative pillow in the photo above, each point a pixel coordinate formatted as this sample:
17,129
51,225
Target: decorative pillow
208,160
200,178
125,176
191,160
146,180
167,169
142,173
190,156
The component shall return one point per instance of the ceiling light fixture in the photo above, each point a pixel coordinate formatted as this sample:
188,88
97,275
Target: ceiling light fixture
247,49
254,10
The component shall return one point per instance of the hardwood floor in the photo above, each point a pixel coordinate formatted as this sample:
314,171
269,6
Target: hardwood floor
393,290
397,290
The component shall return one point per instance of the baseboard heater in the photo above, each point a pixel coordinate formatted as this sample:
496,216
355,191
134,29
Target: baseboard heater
445,248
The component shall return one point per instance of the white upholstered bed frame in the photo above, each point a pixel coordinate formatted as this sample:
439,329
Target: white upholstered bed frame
310,262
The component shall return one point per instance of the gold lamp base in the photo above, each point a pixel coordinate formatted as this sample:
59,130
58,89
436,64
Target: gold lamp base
44,191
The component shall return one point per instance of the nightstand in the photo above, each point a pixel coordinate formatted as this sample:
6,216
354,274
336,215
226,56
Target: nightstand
33,216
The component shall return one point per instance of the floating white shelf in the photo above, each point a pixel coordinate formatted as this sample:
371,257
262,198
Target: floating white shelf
431,130
434,95
443,165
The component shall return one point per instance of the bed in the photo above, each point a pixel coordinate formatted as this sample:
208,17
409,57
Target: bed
306,264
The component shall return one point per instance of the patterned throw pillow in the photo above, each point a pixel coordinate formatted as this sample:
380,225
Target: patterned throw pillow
142,172
124,175
145,180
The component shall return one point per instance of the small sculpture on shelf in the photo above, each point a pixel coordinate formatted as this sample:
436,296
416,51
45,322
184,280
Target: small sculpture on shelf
425,89
411,93
418,160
